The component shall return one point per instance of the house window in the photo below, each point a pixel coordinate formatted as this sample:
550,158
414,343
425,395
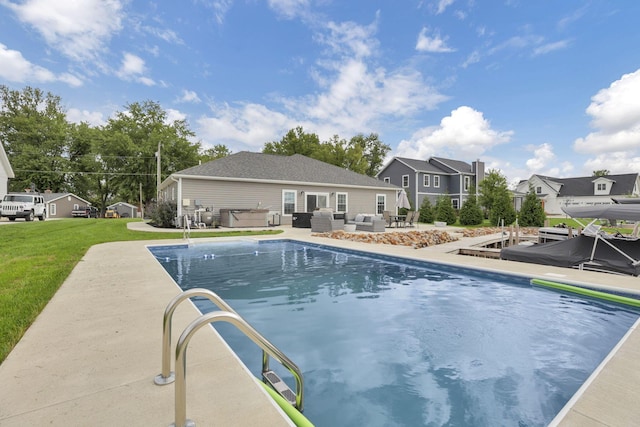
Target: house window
317,201
602,187
538,190
467,183
405,180
381,203
76,207
387,180
52,209
436,181
455,204
341,202
288,202
426,180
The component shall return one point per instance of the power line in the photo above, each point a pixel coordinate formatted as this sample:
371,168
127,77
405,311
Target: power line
87,173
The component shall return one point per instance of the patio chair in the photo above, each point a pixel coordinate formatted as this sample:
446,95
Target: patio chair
323,222
411,217
386,215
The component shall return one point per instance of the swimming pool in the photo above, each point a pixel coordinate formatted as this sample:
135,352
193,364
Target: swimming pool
388,341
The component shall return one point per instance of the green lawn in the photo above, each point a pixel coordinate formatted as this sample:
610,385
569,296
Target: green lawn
36,258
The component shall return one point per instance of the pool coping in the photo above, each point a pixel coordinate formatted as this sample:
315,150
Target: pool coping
79,363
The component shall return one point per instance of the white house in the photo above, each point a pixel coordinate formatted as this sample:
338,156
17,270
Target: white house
581,191
5,172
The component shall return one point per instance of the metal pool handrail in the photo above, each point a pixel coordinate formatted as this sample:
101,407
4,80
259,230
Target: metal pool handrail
167,376
243,326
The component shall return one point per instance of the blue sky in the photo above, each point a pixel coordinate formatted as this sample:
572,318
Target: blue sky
547,87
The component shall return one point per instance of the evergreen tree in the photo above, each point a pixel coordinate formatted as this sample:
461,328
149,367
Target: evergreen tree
444,210
502,210
470,213
426,211
531,214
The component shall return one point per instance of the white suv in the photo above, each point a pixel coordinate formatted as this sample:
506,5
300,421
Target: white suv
23,205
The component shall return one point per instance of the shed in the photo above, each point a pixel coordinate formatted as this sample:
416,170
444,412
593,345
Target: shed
124,209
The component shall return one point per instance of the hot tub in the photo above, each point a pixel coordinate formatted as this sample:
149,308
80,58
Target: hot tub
234,218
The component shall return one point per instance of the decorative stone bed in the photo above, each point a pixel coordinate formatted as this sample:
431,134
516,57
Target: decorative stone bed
417,239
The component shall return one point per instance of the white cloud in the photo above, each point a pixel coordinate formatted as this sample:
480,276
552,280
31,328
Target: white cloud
289,8
465,134
189,96
93,118
615,113
551,47
545,162
133,68
16,68
442,5
78,29
250,125
174,115
434,44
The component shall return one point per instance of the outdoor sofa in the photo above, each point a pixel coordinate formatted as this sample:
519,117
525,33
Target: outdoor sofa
369,222
323,221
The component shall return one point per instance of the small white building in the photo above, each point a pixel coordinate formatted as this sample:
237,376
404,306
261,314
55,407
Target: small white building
581,191
6,172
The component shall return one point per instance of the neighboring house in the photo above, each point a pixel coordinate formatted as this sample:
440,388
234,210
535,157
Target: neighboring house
125,210
433,177
60,205
281,184
582,191
6,172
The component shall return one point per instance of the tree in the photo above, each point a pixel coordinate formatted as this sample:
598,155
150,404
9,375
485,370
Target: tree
143,128
601,172
34,127
502,210
531,213
216,152
492,189
470,213
361,154
426,211
444,210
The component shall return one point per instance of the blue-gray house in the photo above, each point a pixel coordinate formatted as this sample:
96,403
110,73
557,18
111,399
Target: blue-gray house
432,178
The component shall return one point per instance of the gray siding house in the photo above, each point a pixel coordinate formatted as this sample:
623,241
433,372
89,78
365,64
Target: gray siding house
125,210
580,191
432,178
283,185
60,205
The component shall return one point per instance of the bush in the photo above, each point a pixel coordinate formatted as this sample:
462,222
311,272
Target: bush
163,214
502,210
531,214
444,210
426,211
470,213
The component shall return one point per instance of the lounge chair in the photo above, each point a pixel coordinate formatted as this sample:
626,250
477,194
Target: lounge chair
386,215
323,222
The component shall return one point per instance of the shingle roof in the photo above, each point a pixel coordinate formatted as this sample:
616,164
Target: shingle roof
270,167
420,165
457,165
583,186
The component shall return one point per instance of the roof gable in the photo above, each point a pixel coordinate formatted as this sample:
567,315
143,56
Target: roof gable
455,165
270,167
52,197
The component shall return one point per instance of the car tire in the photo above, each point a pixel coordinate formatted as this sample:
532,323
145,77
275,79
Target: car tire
29,217
12,218
43,216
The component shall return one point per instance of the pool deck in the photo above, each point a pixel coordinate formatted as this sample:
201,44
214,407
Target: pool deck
92,354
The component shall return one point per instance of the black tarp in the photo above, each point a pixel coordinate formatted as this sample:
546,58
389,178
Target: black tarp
576,251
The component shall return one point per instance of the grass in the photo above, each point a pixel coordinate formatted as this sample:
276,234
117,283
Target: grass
36,258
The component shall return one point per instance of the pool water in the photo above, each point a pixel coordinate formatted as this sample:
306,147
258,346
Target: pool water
384,341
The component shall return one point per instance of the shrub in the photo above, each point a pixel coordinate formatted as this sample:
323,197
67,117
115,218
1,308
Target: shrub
163,214
531,214
502,210
444,210
426,211
470,213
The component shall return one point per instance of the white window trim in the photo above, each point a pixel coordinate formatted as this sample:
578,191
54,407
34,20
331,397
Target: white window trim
436,181
405,178
346,202
467,183
426,180
295,201
387,180
315,193
52,209
384,207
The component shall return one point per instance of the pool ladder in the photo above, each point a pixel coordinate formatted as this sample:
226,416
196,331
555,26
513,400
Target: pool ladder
229,315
